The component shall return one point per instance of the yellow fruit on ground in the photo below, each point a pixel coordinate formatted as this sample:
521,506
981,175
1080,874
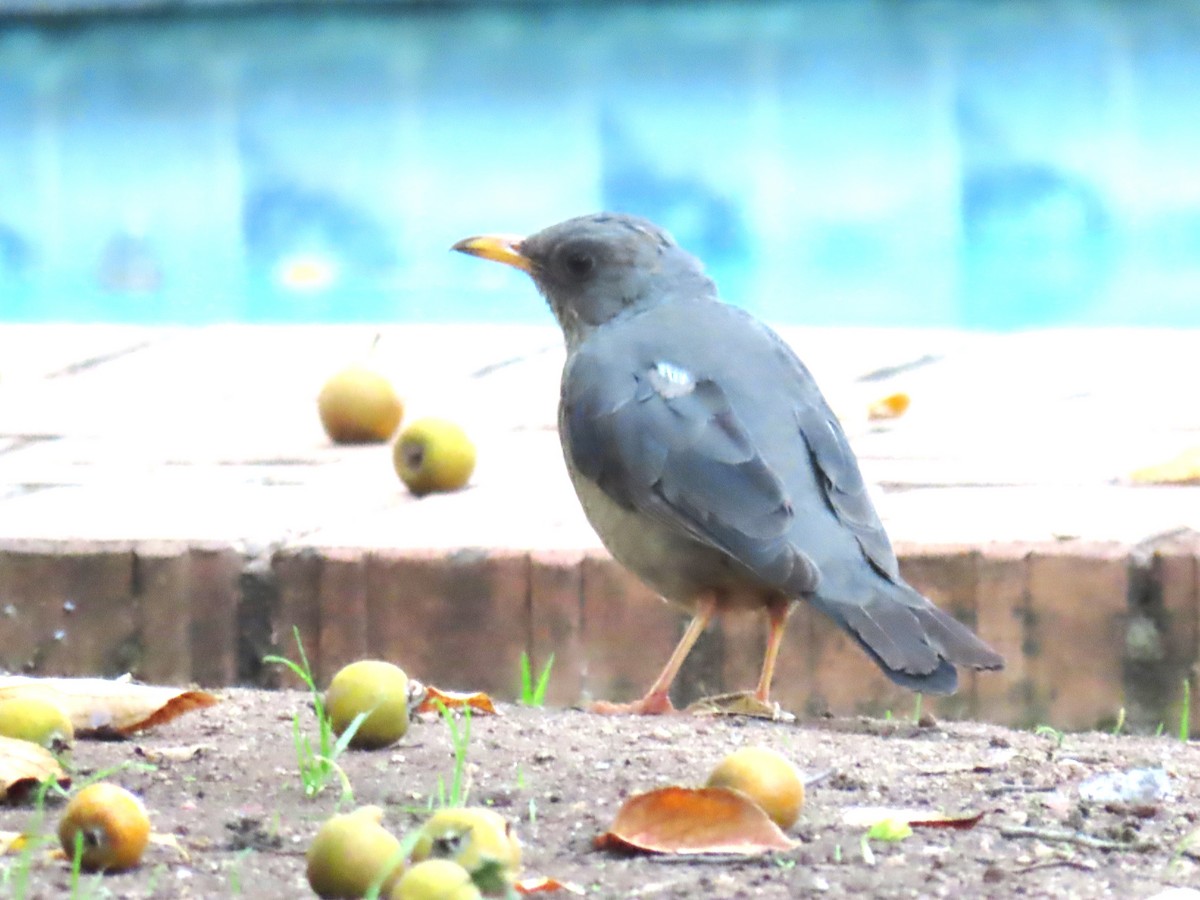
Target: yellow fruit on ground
767,778
351,852
473,837
436,879
433,455
113,824
36,719
374,687
359,406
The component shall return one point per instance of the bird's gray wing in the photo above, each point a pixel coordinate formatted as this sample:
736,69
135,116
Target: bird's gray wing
667,444
842,483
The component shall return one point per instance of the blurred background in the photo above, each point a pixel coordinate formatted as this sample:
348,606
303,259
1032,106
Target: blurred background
989,165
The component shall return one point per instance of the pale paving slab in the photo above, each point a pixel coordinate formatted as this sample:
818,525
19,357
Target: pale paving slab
210,434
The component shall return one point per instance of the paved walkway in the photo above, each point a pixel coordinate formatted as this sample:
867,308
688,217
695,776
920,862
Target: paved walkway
113,433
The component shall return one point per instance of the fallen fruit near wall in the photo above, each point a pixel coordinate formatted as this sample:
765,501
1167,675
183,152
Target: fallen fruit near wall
352,852
359,406
376,688
767,778
433,455
110,826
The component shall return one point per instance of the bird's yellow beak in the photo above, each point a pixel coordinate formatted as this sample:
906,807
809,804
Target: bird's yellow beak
501,248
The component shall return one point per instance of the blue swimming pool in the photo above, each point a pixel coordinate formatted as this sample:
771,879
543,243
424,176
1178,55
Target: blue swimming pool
994,165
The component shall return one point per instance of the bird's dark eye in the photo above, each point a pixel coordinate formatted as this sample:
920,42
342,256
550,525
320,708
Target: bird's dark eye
578,263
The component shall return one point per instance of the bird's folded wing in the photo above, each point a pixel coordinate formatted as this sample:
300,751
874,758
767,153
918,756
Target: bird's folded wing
843,486
662,444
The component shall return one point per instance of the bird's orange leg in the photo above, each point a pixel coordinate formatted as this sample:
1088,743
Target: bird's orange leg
657,701
777,614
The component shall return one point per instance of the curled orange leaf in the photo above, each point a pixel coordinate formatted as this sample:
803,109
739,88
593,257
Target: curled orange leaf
893,406
545,885
693,821
477,701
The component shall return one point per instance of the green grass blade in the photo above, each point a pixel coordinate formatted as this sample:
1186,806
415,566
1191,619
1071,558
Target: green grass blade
543,682
526,679
1185,711
348,735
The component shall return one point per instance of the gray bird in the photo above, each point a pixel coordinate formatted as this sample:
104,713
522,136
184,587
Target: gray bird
708,461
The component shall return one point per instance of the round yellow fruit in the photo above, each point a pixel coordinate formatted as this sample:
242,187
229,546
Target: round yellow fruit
352,852
436,879
113,826
767,778
433,455
359,406
473,837
36,719
377,688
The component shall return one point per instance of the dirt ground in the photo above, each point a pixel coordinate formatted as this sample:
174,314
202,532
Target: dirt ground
224,782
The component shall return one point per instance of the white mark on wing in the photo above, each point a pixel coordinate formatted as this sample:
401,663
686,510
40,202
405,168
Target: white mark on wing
671,381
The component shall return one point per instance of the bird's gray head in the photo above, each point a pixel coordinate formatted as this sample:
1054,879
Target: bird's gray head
594,268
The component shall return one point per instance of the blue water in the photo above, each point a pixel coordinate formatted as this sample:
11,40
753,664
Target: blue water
995,165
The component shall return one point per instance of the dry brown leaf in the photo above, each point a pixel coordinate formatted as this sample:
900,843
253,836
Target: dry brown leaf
24,764
545,885
1183,469
478,701
170,842
740,703
868,816
174,754
108,706
693,821
893,406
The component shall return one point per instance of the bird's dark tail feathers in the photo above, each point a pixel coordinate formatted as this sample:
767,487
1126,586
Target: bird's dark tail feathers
915,643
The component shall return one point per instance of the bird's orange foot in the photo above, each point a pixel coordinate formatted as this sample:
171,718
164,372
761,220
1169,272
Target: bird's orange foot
652,704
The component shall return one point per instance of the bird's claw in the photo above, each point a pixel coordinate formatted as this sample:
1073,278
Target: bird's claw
650,705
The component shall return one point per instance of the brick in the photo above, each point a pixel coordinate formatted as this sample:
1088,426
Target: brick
297,574
1004,618
73,610
102,634
836,673
556,623
212,596
1078,598
741,640
1175,569
628,631
795,673
258,615
342,602
161,587
455,620
25,625
703,671
949,577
